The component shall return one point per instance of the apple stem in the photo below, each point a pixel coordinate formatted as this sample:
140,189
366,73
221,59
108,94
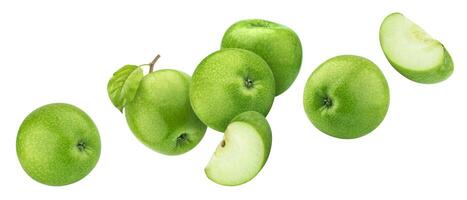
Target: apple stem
153,62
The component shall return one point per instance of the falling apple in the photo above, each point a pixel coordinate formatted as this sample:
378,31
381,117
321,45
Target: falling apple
277,44
346,97
58,144
157,108
229,82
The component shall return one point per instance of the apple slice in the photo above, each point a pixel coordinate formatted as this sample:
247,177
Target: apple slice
412,52
243,152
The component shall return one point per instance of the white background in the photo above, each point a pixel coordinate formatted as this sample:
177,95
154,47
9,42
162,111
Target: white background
58,51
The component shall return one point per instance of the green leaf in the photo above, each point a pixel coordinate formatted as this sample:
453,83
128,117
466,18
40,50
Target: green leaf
123,85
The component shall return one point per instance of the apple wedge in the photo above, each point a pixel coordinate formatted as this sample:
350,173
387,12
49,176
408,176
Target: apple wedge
412,52
243,152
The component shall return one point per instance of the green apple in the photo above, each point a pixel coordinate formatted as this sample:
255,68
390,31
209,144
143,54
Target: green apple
160,115
278,45
346,97
412,52
229,82
58,144
243,152
157,107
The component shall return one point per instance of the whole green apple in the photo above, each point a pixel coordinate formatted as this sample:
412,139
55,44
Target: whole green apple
243,152
160,115
58,144
412,52
277,44
229,82
346,97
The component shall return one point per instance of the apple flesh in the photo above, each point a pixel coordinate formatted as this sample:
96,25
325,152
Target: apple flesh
277,44
412,52
243,152
160,115
229,82
346,97
58,144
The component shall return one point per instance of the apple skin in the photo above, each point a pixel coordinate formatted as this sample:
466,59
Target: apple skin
261,126
278,45
346,97
160,115
58,144
435,74
229,82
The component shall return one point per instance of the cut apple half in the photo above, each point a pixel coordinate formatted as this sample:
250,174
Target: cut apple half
413,52
243,152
